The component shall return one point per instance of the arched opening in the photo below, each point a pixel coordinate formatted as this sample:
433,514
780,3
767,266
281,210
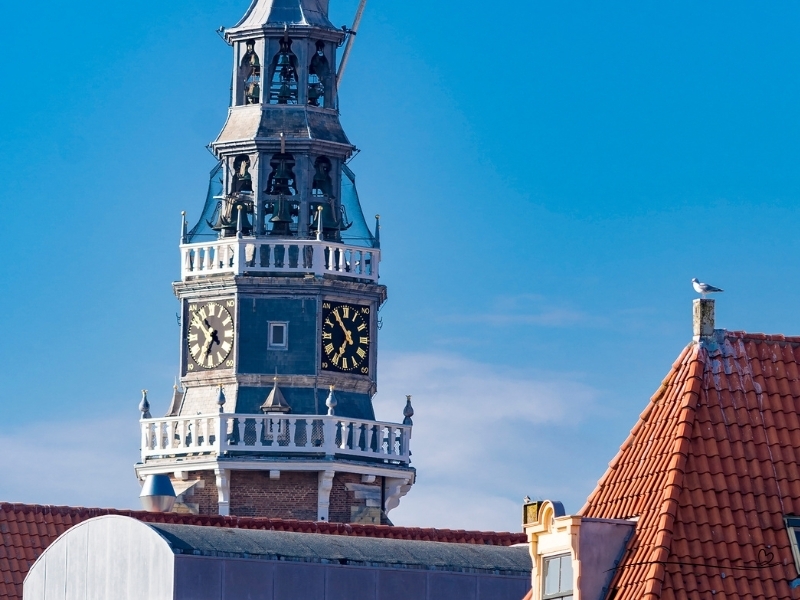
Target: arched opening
318,74
242,181
250,74
283,75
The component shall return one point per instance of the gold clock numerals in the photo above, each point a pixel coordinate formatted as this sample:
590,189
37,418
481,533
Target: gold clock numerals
210,335
345,338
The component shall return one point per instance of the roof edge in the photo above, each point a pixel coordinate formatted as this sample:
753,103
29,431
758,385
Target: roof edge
612,465
675,474
489,538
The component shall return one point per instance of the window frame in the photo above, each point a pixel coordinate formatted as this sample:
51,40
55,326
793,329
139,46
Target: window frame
561,594
792,523
271,345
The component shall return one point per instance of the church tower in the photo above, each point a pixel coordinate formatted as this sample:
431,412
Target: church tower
279,297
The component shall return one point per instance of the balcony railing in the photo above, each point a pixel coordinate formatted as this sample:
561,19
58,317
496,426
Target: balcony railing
310,435
257,255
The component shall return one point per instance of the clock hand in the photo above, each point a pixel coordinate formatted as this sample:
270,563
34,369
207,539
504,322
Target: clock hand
347,334
344,345
199,322
341,324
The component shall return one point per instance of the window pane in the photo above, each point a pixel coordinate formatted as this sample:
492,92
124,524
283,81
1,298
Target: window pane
566,574
551,570
277,335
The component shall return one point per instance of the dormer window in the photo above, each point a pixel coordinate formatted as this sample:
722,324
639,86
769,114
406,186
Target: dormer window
557,580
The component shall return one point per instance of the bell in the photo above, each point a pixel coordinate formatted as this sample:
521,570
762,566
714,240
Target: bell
281,217
281,176
253,93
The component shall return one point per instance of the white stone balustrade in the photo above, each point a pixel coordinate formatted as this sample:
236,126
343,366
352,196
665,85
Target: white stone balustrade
263,255
275,434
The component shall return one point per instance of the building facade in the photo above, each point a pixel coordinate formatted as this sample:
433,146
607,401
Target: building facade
279,297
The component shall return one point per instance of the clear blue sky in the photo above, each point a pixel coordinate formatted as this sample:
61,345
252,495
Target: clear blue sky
550,177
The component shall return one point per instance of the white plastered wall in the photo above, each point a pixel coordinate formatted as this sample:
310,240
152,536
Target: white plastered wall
106,557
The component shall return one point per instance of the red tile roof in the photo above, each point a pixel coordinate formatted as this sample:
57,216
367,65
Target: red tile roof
710,470
26,530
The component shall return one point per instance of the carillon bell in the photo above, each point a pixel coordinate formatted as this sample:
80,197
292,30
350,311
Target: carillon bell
282,210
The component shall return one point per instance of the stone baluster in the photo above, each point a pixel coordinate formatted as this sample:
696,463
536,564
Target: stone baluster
170,434
292,426
207,262
346,427
259,431
241,423
389,439
145,441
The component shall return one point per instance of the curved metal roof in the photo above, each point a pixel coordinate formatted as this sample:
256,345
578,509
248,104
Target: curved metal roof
345,550
279,12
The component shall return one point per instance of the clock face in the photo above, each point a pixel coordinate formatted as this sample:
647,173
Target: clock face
210,335
345,338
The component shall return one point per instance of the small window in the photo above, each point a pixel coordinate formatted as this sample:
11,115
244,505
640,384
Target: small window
793,525
278,335
557,577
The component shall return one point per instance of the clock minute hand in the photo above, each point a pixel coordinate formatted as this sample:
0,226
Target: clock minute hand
348,336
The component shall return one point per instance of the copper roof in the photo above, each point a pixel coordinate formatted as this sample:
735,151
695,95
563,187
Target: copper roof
27,530
710,470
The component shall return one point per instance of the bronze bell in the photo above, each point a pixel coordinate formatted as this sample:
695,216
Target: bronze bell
281,211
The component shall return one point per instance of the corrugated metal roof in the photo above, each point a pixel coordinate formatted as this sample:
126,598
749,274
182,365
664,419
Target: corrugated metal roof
305,547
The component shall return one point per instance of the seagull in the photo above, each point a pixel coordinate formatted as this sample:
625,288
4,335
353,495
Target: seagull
704,288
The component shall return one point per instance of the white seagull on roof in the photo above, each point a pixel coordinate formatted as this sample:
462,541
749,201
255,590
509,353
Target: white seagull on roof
704,288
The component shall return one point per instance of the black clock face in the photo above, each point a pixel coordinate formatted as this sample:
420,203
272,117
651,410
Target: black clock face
210,335
345,338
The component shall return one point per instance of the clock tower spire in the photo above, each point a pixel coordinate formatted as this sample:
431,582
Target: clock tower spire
279,296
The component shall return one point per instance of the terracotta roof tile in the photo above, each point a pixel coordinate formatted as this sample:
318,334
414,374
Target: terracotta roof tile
717,448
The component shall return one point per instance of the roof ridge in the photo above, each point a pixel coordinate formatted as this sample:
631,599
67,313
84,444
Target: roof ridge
675,473
764,337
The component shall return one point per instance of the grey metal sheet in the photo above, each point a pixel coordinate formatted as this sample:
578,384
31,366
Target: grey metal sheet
344,550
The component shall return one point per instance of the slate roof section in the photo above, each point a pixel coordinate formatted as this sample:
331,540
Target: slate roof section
710,470
26,530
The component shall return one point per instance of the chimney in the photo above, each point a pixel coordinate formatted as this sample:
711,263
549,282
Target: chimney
703,318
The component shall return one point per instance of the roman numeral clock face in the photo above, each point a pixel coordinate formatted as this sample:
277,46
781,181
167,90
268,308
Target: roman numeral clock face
210,335
345,338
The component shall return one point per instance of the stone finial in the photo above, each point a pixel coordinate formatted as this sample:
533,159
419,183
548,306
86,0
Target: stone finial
221,399
377,231
275,402
183,227
702,319
408,412
331,402
144,406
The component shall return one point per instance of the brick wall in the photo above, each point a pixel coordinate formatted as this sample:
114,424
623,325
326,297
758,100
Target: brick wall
342,500
205,497
293,496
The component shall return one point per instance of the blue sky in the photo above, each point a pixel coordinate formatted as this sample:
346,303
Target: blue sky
550,175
